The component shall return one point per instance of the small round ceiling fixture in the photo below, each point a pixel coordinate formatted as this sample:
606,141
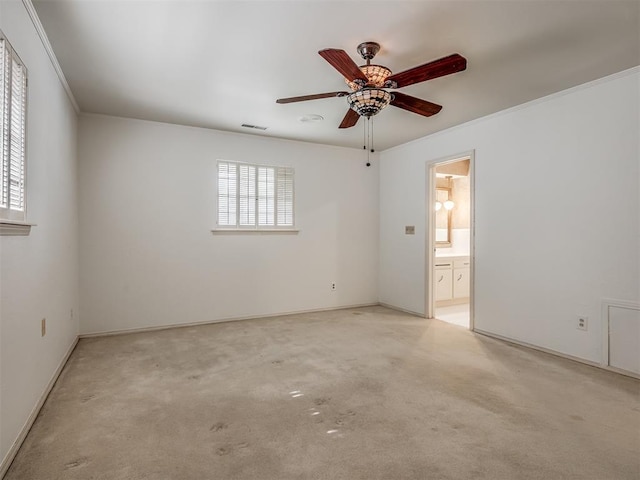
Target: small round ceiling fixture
311,117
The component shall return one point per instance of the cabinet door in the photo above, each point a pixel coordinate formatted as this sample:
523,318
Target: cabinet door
461,282
444,287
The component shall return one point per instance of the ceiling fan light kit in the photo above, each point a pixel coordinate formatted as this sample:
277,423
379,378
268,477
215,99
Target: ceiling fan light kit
376,76
369,101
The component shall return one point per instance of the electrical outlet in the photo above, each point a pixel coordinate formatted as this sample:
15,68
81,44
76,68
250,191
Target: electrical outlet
582,322
43,327
333,285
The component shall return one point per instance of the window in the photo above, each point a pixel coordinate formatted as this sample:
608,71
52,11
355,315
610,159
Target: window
13,111
255,196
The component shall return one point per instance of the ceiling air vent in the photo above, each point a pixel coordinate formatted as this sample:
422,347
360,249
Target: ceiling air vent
256,127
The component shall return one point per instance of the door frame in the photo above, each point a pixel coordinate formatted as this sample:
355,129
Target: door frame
430,247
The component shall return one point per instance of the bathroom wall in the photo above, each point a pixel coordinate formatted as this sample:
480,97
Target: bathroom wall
460,218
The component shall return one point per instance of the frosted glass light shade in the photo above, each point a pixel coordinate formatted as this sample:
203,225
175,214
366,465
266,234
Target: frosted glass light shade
438,206
449,204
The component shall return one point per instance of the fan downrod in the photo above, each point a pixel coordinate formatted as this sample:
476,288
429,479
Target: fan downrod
368,50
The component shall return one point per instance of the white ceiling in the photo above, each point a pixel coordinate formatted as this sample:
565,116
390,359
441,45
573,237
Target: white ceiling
218,64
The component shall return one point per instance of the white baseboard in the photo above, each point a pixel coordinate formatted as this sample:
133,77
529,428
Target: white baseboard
626,373
220,320
6,462
554,352
404,310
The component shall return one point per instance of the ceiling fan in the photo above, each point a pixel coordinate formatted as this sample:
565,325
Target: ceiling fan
367,83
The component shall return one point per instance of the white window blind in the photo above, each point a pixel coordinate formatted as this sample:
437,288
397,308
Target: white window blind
13,111
255,196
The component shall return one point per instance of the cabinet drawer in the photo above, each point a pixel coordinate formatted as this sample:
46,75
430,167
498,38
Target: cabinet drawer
462,262
443,264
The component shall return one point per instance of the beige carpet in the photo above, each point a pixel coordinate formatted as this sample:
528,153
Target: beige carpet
354,394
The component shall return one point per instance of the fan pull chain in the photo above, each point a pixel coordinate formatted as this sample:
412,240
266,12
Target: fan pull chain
364,135
368,127
371,142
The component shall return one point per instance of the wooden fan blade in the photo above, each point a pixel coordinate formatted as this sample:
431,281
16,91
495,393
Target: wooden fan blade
415,105
312,97
341,61
438,68
350,119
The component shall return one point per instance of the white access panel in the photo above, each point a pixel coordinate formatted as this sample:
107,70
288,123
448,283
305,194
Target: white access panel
624,338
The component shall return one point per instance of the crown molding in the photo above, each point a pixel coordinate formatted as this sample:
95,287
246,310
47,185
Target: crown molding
547,98
49,49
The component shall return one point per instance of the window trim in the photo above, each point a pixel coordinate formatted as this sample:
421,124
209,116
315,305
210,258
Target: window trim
257,228
14,222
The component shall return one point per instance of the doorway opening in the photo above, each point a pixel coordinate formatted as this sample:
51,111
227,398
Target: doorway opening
450,240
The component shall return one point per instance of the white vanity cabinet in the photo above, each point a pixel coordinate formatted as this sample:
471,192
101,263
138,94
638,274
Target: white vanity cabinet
452,279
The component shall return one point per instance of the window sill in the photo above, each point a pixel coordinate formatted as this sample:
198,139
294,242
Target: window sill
262,231
14,228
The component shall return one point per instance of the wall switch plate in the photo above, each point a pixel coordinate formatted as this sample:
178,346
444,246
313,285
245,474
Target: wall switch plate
43,327
582,322
410,230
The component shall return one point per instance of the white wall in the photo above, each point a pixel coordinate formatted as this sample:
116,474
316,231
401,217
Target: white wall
39,272
548,246
147,207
